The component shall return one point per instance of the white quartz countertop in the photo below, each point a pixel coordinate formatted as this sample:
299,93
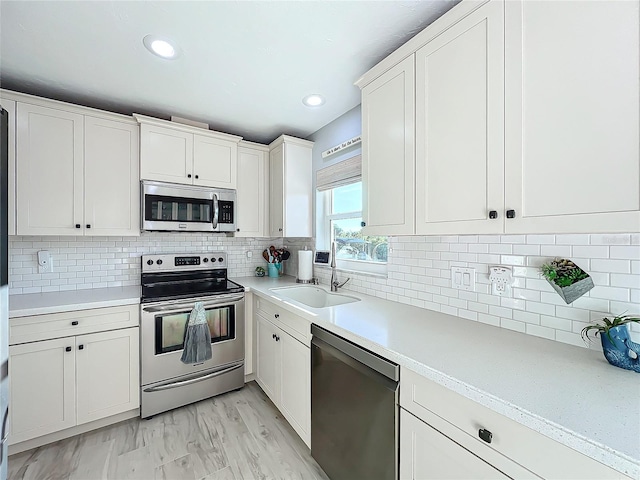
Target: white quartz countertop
54,302
567,393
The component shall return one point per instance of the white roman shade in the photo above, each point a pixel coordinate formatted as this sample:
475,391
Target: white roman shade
339,174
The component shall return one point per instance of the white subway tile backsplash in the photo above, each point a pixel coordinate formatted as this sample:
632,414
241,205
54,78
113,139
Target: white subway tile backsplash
630,252
539,331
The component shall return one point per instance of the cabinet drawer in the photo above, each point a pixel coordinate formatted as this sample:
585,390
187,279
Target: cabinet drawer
463,418
298,327
57,325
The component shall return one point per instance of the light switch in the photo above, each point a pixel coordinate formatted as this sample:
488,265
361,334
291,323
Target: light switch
463,278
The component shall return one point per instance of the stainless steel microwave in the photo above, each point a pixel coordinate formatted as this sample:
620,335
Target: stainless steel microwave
171,207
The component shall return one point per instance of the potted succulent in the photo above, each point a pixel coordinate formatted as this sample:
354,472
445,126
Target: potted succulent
260,272
567,279
616,344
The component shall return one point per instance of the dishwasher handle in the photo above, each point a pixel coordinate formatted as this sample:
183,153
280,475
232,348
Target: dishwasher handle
365,357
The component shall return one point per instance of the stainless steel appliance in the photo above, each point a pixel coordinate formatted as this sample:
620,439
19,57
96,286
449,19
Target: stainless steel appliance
171,285
4,289
354,410
185,208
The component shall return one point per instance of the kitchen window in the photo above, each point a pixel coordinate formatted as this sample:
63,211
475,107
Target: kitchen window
339,217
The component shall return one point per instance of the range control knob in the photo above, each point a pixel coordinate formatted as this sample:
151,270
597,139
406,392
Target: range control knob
205,259
149,262
221,259
213,259
159,262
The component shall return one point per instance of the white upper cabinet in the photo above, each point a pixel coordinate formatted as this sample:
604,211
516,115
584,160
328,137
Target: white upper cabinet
459,126
572,158
253,190
215,162
111,177
388,161
76,170
10,107
526,121
50,171
290,189
178,153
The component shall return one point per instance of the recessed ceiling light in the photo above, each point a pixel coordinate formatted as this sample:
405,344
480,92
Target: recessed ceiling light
313,100
160,47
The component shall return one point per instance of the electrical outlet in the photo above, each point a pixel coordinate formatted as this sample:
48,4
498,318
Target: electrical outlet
463,278
501,279
44,262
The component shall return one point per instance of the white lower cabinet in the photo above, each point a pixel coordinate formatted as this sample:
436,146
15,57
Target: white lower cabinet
284,365
60,383
427,454
445,435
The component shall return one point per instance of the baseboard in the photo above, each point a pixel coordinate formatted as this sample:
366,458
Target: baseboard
249,378
70,432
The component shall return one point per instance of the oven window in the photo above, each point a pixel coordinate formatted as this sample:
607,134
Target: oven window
171,329
177,209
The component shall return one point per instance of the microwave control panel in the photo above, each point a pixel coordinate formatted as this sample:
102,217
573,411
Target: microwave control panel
225,213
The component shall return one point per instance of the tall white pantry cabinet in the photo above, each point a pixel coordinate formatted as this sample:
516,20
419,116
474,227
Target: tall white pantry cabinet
526,120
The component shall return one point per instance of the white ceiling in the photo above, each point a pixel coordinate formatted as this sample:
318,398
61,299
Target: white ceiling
244,68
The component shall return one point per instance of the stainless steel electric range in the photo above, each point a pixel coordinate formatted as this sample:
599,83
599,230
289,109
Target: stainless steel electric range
171,285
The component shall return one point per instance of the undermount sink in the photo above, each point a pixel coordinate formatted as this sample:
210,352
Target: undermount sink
312,296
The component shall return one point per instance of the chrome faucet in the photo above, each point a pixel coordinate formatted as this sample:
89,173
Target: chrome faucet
335,284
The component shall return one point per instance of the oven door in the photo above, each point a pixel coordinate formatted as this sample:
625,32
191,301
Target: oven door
169,207
163,328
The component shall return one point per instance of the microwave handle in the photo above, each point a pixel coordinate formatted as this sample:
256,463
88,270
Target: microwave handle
216,211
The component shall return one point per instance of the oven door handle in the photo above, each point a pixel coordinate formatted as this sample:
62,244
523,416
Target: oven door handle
216,211
191,381
180,305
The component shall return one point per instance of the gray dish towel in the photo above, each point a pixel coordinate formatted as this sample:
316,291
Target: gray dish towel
197,338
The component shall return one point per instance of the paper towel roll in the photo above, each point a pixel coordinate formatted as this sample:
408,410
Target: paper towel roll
305,264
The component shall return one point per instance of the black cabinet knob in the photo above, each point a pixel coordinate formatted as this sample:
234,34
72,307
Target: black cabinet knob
78,225
277,315
68,349
237,229
277,338
88,226
511,214
280,229
75,322
363,224
189,175
485,435
273,335
493,214
197,176
80,347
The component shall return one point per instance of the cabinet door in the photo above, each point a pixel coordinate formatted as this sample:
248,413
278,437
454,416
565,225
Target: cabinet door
460,126
388,166
166,154
215,162
427,454
276,191
50,175
10,107
252,192
269,358
108,379
297,191
572,116
112,180
42,388
296,385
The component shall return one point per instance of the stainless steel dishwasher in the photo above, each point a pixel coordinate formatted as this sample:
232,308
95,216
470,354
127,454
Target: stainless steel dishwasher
354,410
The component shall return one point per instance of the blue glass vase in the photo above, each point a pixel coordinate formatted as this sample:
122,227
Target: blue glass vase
617,348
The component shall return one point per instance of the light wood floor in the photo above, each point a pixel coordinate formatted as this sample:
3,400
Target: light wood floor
238,435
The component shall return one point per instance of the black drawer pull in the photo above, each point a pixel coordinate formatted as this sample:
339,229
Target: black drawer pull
493,214
88,226
197,177
485,435
189,175
75,322
273,335
277,338
77,225
68,349
277,315
511,214
80,347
